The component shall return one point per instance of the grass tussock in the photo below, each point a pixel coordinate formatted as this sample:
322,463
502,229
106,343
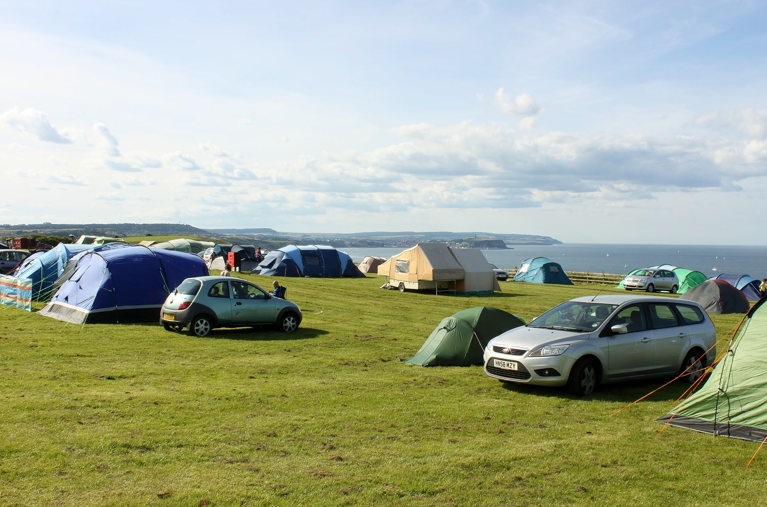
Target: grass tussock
329,415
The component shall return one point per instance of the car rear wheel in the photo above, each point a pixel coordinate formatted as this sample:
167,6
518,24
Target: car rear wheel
200,326
288,323
693,366
583,377
674,289
651,288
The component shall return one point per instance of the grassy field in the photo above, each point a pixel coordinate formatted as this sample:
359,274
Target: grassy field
330,416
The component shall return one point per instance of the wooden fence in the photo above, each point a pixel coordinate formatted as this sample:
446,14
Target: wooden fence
581,277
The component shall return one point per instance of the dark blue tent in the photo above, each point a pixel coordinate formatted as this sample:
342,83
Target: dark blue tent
121,285
747,285
308,260
541,270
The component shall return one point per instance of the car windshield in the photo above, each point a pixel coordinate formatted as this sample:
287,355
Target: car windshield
575,316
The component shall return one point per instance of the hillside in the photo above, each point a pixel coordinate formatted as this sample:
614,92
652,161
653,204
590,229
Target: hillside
268,236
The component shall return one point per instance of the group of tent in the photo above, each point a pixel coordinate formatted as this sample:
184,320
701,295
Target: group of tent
113,282
723,293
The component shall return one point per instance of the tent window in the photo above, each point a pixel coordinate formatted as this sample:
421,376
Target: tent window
402,266
310,260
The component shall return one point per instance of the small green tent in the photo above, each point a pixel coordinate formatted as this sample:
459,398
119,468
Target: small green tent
733,401
459,340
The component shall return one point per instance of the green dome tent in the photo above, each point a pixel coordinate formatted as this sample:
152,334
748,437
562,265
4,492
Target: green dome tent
459,340
732,401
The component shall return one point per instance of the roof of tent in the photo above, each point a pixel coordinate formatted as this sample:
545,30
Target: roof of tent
182,245
121,285
718,296
459,340
732,401
747,285
308,260
541,270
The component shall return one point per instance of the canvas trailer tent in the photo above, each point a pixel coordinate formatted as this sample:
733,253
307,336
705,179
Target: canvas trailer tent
121,285
310,261
541,270
437,267
460,339
732,401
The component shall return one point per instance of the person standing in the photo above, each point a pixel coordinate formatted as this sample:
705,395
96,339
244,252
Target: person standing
763,287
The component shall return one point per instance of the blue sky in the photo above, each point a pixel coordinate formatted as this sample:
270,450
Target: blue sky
591,122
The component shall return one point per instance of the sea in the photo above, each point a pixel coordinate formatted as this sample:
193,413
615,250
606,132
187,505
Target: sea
711,260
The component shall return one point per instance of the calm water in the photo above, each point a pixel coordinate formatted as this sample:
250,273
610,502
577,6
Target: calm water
620,259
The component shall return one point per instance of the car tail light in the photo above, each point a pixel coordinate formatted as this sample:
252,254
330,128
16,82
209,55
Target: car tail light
184,305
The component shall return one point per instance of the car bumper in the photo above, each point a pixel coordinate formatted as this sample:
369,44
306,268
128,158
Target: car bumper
540,371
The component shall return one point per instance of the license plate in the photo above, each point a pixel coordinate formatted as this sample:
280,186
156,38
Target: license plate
168,316
506,365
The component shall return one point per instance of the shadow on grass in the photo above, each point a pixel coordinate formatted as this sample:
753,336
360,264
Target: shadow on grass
624,392
265,333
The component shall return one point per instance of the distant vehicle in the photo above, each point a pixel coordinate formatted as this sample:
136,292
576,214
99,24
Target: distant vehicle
500,274
652,280
10,258
207,302
591,340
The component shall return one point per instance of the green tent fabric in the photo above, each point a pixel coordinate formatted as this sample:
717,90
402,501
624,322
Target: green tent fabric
688,279
733,401
459,340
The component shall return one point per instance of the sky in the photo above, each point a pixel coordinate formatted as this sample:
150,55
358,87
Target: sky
587,121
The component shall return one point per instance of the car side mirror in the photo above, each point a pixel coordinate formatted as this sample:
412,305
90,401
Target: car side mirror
619,329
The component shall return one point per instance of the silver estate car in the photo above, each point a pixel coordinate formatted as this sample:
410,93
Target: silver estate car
591,340
206,302
652,280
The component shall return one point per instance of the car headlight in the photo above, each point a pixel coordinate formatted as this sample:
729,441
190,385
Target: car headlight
549,350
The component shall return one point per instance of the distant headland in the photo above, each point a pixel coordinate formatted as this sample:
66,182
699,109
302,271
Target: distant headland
268,237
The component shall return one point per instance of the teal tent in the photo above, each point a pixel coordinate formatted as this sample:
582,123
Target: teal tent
541,270
733,401
459,340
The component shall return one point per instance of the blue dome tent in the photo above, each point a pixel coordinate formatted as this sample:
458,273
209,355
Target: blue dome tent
308,260
121,285
541,270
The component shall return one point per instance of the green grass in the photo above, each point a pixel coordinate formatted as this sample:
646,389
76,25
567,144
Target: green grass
329,416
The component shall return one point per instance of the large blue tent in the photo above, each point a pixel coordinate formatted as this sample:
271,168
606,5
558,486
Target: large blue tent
121,285
308,260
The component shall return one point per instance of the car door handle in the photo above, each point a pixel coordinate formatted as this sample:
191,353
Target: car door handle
646,340
238,303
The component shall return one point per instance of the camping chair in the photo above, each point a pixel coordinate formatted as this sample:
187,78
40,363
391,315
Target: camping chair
283,292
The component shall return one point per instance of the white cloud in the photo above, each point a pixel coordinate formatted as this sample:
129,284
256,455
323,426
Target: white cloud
34,123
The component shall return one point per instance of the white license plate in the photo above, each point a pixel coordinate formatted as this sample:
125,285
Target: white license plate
506,365
168,316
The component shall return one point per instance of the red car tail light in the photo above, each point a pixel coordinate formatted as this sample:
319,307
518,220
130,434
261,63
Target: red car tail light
184,305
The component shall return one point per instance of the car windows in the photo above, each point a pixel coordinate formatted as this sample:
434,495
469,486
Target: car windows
662,315
690,314
244,290
632,317
219,290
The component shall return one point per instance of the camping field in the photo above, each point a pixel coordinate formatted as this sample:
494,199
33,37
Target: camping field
121,415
